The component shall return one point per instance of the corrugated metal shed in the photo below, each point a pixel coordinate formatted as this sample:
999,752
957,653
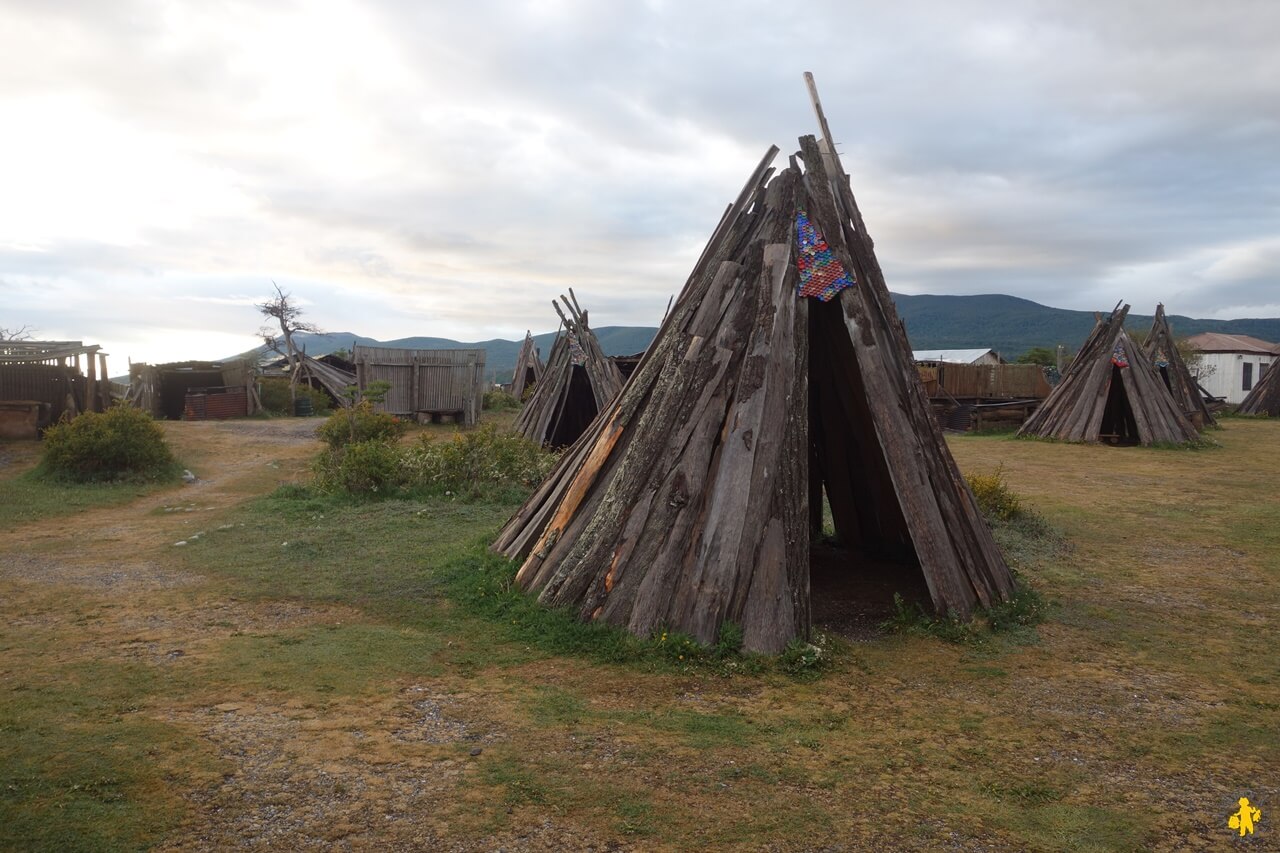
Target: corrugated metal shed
957,356
425,381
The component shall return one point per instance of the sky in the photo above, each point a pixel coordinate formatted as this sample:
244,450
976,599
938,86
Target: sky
406,168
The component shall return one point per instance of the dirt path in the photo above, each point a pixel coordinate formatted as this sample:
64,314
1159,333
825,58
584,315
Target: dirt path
264,772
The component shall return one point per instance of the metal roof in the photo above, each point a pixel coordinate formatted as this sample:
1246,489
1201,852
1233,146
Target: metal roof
1218,342
955,356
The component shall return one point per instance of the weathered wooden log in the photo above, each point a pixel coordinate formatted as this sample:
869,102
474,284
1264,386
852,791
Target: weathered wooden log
1161,349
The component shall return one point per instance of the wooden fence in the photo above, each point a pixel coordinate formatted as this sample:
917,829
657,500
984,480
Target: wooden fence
425,382
986,381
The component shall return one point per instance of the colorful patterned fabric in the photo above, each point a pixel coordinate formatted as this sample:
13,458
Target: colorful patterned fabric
1162,360
821,275
577,356
1118,356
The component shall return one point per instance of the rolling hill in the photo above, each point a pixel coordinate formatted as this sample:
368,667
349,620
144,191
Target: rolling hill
1008,324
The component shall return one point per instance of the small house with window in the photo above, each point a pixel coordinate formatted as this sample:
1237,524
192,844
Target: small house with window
1231,365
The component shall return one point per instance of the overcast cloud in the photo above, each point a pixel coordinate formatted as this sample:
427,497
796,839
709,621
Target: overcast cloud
447,168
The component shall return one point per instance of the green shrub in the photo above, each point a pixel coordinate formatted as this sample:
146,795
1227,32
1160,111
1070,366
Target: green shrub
274,393
995,499
122,443
806,660
496,399
361,468
359,424
476,461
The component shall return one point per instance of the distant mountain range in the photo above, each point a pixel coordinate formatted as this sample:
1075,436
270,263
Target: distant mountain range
1007,324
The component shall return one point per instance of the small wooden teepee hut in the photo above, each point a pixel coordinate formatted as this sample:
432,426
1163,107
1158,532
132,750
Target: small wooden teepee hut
1264,399
577,383
693,499
1162,350
528,368
1111,393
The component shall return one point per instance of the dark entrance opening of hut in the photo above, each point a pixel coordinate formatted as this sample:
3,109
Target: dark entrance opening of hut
1119,427
867,556
175,383
577,409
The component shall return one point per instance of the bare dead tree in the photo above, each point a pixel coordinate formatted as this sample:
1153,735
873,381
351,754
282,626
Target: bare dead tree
21,333
287,315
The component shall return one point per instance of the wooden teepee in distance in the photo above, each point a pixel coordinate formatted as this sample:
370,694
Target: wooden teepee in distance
1111,393
692,499
577,383
1264,399
528,368
1162,350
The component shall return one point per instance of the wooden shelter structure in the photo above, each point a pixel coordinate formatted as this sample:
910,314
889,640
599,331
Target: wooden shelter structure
425,383
579,381
41,381
1264,399
983,395
195,390
1162,349
528,369
694,498
1111,393
327,373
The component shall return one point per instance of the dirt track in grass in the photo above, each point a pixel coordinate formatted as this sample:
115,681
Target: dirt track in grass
251,718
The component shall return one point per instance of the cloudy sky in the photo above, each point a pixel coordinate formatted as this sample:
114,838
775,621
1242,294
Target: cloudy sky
447,168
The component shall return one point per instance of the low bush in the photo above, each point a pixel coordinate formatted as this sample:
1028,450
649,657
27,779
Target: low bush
479,462
121,444
274,393
995,499
365,468
358,424
497,400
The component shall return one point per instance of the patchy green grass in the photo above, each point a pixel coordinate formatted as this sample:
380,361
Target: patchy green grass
30,497
1130,719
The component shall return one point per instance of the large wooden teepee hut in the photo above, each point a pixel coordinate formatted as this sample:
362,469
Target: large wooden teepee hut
1162,349
781,374
1264,399
1112,394
577,383
528,368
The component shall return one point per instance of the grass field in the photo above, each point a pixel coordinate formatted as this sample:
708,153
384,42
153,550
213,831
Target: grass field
302,672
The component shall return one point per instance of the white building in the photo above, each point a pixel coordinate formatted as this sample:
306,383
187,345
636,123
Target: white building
1231,364
957,356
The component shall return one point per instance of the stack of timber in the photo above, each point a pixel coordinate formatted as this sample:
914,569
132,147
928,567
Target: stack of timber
1111,393
1264,399
579,381
1162,349
528,370
425,383
693,499
327,373
57,377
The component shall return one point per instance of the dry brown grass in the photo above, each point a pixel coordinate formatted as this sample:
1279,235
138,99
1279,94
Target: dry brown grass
305,713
